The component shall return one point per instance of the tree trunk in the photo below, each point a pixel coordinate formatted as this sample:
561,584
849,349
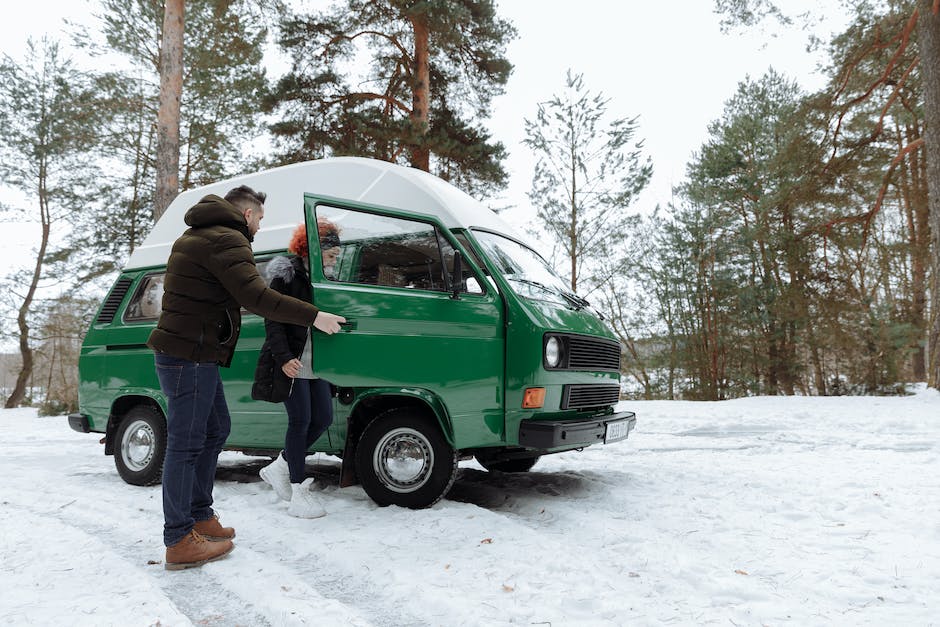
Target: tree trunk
168,117
818,376
913,201
420,155
928,35
573,222
26,353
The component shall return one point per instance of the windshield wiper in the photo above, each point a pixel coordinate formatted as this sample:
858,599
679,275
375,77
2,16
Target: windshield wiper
581,302
573,299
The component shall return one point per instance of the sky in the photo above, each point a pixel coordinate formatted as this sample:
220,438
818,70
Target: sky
668,63
759,511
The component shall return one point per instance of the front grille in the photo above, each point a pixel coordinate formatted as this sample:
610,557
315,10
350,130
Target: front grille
110,306
583,396
591,353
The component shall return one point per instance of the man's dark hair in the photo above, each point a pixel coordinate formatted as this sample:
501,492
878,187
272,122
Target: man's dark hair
244,197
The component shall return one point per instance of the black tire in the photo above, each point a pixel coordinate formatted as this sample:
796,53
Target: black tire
403,459
519,464
140,446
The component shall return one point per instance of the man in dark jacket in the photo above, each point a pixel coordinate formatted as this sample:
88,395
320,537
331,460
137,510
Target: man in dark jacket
210,275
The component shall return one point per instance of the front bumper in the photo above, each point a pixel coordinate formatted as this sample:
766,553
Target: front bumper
549,434
79,422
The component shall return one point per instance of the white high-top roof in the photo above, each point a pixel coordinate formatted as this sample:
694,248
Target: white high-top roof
353,179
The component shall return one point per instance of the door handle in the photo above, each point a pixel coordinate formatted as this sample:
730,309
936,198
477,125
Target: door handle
349,325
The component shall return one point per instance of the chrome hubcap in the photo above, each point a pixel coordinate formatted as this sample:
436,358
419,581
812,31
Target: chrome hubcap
403,460
137,447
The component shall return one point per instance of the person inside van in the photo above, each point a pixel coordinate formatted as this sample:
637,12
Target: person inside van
210,275
287,357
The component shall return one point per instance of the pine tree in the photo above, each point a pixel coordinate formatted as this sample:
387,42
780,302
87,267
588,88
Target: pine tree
754,164
867,130
433,70
168,113
928,30
698,258
588,172
922,27
223,84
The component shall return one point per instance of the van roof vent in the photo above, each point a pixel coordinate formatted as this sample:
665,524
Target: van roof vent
110,306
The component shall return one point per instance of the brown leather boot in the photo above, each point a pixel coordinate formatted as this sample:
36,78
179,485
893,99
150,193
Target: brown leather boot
212,529
194,550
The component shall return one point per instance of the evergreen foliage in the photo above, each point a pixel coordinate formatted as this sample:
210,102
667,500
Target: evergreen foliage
885,97
800,255
767,290
393,110
223,84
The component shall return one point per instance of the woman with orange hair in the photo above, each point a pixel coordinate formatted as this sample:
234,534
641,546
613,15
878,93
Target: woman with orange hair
307,398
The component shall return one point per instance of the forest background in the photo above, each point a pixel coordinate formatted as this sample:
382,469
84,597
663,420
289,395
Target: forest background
794,254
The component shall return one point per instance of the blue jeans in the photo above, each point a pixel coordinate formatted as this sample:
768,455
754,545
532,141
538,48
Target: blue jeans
197,425
309,413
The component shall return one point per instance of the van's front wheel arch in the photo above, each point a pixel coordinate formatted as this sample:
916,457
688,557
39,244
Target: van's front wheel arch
402,458
140,445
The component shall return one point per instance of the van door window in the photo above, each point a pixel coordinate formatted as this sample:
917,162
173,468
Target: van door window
389,251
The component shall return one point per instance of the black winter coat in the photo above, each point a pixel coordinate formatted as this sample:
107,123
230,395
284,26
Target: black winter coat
211,274
282,342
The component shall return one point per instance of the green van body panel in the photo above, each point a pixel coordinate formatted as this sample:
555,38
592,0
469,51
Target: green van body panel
460,342
467,358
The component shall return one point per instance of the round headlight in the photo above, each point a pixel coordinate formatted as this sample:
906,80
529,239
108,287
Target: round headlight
552,352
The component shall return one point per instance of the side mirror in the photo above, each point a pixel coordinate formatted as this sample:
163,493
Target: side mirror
456,279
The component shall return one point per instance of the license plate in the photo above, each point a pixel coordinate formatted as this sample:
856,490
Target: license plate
616,431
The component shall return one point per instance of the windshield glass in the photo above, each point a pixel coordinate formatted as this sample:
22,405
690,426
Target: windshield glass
529,275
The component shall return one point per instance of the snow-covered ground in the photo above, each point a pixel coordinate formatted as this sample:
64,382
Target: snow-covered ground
761,511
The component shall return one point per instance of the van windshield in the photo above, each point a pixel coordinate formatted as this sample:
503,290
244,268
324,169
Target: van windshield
526,271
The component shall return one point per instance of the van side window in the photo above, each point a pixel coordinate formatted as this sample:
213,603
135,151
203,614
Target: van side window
147,301
388,251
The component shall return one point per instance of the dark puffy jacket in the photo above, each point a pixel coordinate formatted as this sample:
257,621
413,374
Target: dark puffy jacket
210,275
288,276
282,342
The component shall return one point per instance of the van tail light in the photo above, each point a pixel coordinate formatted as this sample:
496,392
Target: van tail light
533,398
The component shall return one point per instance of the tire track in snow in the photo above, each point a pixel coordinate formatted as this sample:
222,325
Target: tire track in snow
195,593
60,554
301,556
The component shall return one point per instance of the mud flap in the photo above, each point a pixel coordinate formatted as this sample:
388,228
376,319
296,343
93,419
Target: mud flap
347,473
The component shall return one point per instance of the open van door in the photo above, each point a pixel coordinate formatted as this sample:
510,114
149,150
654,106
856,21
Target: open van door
412,328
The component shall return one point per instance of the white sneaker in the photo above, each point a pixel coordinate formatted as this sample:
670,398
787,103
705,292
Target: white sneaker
303,502
277,475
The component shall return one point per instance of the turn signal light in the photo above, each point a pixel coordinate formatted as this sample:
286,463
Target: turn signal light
533,398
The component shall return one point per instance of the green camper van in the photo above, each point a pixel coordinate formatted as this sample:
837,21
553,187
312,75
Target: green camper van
461,341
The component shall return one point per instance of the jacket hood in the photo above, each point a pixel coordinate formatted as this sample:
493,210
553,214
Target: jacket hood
214,210
285,268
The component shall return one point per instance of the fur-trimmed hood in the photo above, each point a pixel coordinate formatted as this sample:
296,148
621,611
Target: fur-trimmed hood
284,268
286,274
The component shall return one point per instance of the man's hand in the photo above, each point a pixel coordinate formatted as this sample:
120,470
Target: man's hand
327,322
291,368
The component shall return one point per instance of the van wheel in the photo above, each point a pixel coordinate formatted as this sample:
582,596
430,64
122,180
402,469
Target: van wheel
523,464
140,446
403,459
